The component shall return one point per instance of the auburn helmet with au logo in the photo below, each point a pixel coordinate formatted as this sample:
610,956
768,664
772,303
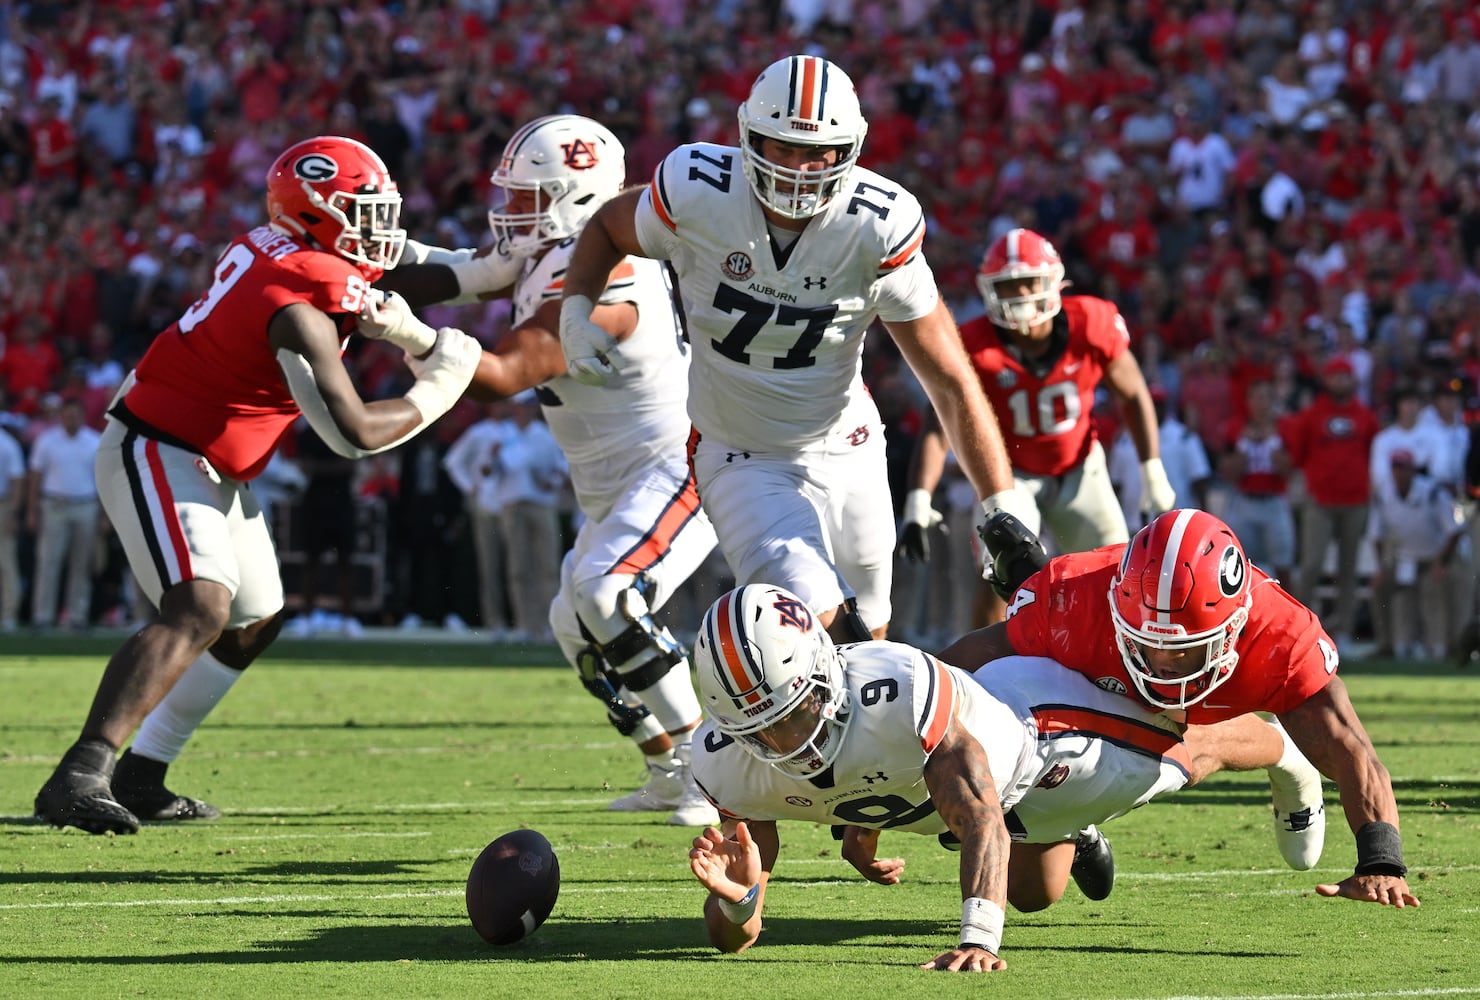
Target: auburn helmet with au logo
337,193
802,101
1180,600
554,174
771,678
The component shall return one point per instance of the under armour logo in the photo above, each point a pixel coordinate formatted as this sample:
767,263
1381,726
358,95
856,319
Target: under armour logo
730,456
876,776
808,281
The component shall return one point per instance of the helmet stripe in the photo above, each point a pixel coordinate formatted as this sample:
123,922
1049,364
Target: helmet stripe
824,66
1014,250
740,672
511,148
1169,564
807,107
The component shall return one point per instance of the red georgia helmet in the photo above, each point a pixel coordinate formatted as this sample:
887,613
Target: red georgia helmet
1013,256
338,193
1183,585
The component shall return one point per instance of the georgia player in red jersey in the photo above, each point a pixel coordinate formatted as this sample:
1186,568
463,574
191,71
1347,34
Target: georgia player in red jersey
1181,621
1040,358
196,421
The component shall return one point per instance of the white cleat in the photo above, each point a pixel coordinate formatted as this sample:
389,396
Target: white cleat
1299,813
664,790
695,809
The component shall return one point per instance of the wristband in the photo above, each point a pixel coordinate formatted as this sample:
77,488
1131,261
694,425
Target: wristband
743,909
1012,500
1380,850
981,924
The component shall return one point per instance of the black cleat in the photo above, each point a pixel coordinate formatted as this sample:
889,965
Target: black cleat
77,793
1094,864
138,784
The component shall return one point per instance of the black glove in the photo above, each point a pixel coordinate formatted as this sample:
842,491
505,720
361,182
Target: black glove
1014,553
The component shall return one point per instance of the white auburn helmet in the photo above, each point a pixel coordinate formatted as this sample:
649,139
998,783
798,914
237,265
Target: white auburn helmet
771,678
1013,256
571,163
1183,586
805,101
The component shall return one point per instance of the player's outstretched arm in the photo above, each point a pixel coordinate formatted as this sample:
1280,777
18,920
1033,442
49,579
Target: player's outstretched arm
1327,730
960,783
932,347
735,865
976,648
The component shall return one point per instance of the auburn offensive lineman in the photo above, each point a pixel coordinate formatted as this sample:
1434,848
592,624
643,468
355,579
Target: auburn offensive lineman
189,429
1040,357
1008,764
1179,620
643,532
786,251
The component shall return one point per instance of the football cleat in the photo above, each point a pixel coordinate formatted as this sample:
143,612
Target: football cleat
1093,869
694,809
663,791
77,792
1299,813
138,785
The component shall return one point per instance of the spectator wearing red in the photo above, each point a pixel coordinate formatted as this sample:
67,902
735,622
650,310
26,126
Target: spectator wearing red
29,365
53,146
1330,441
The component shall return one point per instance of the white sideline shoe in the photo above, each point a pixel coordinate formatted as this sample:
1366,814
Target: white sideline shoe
1299,813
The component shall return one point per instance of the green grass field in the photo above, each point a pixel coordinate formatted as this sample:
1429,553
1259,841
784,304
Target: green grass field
360,780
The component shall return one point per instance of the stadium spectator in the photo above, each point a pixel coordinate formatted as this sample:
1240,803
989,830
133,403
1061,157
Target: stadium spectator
472,463
12,503
62,512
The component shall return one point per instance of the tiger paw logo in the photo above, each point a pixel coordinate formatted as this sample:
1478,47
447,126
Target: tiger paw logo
794,613
580,155
738,266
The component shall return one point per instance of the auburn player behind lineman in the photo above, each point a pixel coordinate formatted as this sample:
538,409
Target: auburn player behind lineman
786,251
643,533
192,426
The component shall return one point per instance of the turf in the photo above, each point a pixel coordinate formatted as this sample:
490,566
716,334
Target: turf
360,780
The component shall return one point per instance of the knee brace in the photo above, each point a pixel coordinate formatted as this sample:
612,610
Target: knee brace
602,682
643,651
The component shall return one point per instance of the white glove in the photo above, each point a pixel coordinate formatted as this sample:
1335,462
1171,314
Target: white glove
388,316
588,348
1157,495
919,517
442,375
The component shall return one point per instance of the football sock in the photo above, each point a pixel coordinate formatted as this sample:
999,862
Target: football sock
174,720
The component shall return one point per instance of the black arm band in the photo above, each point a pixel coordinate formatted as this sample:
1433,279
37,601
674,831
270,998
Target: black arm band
1380,850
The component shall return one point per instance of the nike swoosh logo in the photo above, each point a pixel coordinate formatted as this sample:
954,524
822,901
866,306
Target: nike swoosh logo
1071,369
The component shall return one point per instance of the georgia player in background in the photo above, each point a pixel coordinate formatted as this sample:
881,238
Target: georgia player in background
195,422
1040,357
1181,621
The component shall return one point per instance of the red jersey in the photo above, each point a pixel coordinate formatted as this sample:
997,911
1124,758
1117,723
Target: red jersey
212,379
1331,443
1063,612
1045,415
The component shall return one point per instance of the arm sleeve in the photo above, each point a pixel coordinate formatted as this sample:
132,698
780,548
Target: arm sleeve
305,391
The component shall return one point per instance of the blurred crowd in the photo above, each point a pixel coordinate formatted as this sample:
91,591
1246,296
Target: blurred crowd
1268,189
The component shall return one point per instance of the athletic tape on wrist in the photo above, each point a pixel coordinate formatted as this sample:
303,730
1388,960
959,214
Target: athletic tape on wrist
1380,850
743,909
981,924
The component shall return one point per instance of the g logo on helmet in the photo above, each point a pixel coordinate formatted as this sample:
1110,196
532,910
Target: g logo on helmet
315,167
1231,572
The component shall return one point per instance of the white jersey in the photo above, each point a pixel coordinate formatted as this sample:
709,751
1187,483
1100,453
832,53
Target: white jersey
902,704
1062,752
778,332
612,433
